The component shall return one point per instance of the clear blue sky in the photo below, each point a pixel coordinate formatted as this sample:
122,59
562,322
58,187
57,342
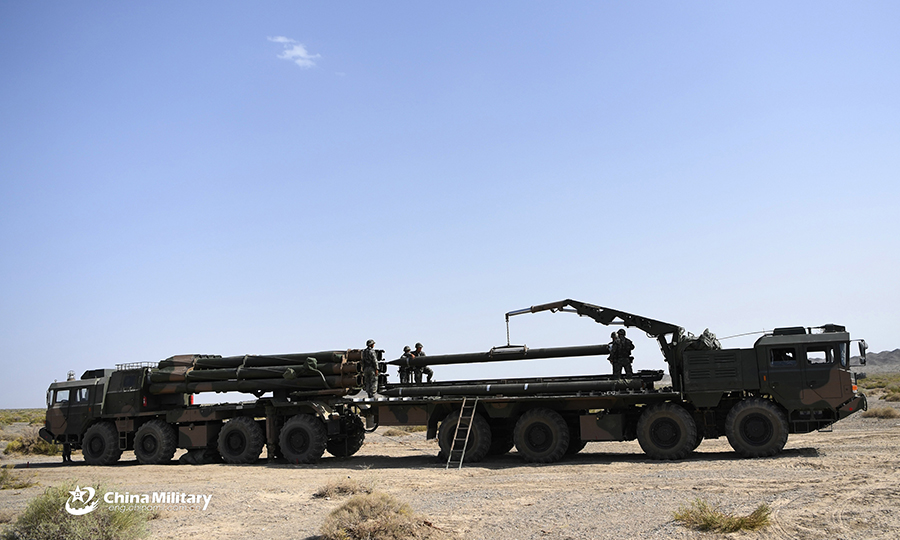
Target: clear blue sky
233,177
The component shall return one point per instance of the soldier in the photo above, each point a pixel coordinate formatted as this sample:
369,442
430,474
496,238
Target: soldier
613,350
419,370
370,368
67,453
624,354
406,371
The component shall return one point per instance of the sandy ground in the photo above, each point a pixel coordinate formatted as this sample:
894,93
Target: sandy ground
839,485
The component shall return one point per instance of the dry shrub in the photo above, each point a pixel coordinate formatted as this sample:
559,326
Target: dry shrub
343,487
6,516
46,518
881,412
377,516
10,480
703,516
414,429
892,397
394,432
32,443
32,416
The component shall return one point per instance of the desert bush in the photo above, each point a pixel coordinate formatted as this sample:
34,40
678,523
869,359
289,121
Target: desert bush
10,480
32,443
394,432
880,382
414,429
32,416
881,412
346,486
377,516
6,516
46,518
703,516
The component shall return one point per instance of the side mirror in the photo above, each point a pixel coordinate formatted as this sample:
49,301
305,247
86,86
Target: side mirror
862,352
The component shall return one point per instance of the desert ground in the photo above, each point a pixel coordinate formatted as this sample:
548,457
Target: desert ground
839,485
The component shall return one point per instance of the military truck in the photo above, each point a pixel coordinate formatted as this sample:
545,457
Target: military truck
149,408
793,380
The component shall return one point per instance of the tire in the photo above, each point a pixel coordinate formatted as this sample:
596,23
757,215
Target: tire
667,431
541,436
155,442
241,440
480,440
303,439
100,445
349,443
756,427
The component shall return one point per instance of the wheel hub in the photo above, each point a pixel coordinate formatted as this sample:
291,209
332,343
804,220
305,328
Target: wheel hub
665,433
756,429
539,437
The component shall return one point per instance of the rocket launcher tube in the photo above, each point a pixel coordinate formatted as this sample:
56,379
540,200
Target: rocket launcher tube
258,385
502,354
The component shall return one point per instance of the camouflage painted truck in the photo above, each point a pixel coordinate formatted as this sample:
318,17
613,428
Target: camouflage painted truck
149,408
793,380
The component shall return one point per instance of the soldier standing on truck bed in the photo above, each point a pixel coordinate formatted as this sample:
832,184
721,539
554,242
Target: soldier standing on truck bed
623,355
406,371
418,371
370,368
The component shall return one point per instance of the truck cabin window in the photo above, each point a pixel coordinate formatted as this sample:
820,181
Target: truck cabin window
819,355
781,357
80,395
62,396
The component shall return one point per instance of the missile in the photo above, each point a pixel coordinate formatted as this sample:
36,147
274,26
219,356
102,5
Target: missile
514,389
502,354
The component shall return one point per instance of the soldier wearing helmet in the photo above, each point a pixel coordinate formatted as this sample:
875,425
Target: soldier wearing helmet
405,370
418,371
370,368
613,350
623,358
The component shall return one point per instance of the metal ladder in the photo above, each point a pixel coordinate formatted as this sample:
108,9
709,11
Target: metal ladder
461,438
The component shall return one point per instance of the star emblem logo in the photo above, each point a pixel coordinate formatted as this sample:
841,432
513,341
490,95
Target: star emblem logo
86,505
78,494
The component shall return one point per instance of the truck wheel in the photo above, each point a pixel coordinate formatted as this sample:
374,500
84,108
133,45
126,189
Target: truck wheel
100,445
350,443
154,443
541,436
241,440
756,427
666,431
479,437
303,439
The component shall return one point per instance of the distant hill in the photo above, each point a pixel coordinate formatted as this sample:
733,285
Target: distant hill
882,362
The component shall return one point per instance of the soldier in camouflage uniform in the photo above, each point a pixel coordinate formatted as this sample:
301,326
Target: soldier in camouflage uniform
623,355
370,368
419,370
613,350
406,371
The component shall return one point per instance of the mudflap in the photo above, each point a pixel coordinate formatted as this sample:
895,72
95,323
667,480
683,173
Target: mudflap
856,404
46,435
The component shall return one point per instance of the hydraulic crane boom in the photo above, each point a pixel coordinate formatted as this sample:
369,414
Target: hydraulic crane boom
658,330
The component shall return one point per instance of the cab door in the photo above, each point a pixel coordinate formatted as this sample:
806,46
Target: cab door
826,372
784,374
